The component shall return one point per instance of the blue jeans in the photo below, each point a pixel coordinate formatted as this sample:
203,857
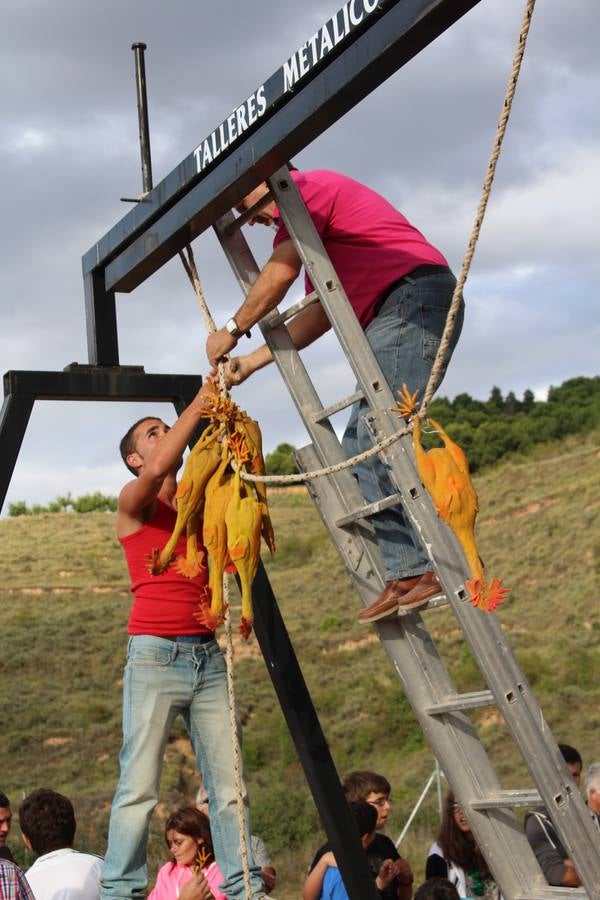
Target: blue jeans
162,679
404,337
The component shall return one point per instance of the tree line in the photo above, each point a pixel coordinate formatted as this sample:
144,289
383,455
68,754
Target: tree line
487,430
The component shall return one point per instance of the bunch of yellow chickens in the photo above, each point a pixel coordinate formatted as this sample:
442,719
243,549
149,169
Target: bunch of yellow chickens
445,473
233,512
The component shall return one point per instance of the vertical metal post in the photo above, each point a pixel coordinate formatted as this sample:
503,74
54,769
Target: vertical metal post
13,424
440,799
311,746
100,320
140,84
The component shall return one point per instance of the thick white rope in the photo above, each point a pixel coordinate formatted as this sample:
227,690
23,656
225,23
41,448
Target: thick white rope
192,273
442,352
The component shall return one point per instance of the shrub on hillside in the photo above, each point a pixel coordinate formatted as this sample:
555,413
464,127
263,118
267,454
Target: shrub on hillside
96,502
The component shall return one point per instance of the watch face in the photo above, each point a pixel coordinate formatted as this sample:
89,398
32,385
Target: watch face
232,328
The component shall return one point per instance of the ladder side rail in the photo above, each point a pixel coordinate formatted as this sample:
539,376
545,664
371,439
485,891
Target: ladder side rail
501,671
452,737
320,271
303,393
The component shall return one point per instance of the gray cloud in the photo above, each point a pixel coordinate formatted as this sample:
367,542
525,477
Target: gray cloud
68,151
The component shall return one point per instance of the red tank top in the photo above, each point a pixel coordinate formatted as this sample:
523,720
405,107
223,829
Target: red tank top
163,604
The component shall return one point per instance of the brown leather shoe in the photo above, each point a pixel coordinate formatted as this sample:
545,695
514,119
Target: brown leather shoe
428,588
388,601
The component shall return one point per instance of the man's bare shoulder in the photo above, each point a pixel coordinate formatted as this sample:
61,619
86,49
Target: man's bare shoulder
131,516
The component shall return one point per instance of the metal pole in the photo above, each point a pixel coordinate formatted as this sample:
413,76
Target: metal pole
417,807
440,799
142,102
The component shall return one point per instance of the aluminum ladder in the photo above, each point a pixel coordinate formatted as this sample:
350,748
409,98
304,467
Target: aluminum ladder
442,711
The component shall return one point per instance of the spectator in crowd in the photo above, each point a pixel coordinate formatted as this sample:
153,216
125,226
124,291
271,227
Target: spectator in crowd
188,837
48,825
573,760
368,787
592,790
13,884
436,889
260,853
5,820
455,856
324,882
550,853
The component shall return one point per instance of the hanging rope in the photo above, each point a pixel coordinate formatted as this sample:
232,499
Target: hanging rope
442,353
189,265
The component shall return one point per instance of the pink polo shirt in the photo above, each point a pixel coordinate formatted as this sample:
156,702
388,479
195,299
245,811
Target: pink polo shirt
370,243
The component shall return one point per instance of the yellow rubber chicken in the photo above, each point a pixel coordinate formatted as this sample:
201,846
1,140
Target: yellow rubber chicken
256,466
218,494
445,473
244,519
201,462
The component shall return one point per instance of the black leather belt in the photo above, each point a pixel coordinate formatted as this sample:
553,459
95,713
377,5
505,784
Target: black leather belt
188,638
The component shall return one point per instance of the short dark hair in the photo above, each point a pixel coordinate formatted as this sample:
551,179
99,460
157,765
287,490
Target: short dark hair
127,444
436,889
358,785
4,801
47,820
365,816
570,754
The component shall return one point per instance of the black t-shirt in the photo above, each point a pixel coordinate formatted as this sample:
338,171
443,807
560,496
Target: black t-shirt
6,854
380,849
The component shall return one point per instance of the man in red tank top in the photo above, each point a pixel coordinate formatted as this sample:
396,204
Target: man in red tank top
174,666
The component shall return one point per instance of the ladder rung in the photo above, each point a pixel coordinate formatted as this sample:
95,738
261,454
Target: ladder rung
291,311
329,411
508,799
547,892
472,700
369,509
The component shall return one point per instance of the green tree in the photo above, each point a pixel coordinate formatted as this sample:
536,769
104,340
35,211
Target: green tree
281,461
19,508
528,401
94,503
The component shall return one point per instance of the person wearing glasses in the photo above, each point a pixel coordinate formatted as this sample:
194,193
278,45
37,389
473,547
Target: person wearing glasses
369,787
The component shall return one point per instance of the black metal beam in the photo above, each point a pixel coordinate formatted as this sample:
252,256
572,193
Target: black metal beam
77,382
313,751
187,201
80,382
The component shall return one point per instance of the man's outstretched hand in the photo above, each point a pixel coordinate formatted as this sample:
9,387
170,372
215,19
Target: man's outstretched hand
236,371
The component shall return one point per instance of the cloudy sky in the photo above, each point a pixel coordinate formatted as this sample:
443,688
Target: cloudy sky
69,151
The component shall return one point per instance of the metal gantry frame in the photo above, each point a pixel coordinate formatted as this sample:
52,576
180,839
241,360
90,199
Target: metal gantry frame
356,50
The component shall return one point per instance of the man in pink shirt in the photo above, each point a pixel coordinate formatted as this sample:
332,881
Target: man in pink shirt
400,288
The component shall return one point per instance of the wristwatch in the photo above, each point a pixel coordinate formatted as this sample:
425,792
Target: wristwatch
234,331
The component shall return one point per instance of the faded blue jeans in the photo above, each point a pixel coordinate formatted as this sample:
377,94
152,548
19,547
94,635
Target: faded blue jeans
162,679
404,337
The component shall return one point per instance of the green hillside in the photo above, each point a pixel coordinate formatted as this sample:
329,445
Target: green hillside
64,610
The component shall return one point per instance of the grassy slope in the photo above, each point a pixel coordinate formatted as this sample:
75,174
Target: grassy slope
64,609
